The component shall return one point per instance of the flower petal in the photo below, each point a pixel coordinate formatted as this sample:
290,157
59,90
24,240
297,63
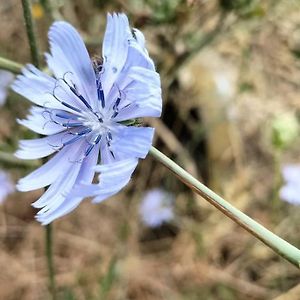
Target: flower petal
43,89
39,148
142,95
50,171
115,49
291,173
290,193
132,142
69,57
40,122
62,206
112,178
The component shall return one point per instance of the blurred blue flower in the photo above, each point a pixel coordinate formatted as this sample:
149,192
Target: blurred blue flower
5,79
290,192
85,112
156,207
6,186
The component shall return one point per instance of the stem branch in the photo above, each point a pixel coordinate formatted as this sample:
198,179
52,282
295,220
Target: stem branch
280,246
9,65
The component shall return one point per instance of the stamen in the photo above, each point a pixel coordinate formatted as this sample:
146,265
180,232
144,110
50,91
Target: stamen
109,136
100,93
66,116
114,114
78,124
80,97
64,103
112,154
72,140
75,91
89,149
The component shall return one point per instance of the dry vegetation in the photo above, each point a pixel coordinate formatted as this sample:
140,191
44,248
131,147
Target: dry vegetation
227,72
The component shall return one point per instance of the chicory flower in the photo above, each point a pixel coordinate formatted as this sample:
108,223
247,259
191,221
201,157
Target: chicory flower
290,192
87,112
157,207
6,186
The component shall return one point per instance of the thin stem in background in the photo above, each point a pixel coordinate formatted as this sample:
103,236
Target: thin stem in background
280,246
49,254
9,65
35,60
30,32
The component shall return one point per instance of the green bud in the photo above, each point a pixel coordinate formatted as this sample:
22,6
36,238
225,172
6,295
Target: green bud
285,129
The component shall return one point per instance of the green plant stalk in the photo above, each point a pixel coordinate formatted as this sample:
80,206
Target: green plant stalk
9,65
50,264
35,60
280,246
30,32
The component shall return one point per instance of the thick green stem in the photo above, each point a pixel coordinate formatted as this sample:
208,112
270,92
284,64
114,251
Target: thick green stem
50,265
280,246
30,32
9,65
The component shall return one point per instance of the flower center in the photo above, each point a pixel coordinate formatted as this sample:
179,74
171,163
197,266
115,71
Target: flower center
94,121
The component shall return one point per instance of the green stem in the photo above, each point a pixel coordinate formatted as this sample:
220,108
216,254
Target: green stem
35,60
9,65
50,265
280,246
30,32
8,158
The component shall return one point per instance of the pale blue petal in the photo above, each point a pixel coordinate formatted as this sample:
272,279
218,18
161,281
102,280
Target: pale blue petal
50,171
69,58
291,173
137,53
70,202
156,207
112,178
141,95
106,155
291,193
58,190
132,142
43,89
115,49
39,148
6,186
39,122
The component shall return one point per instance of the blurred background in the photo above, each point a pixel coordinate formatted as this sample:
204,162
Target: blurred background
230,74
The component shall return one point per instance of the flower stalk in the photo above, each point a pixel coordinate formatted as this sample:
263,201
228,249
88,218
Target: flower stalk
49,254
30,32
280,246
35,60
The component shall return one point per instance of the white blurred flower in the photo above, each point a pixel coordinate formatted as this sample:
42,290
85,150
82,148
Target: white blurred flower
290,192
5,79
6,186
156,207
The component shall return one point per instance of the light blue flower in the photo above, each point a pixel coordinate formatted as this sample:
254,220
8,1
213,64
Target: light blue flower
5,80
83,112
6,186
290,192
156,207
